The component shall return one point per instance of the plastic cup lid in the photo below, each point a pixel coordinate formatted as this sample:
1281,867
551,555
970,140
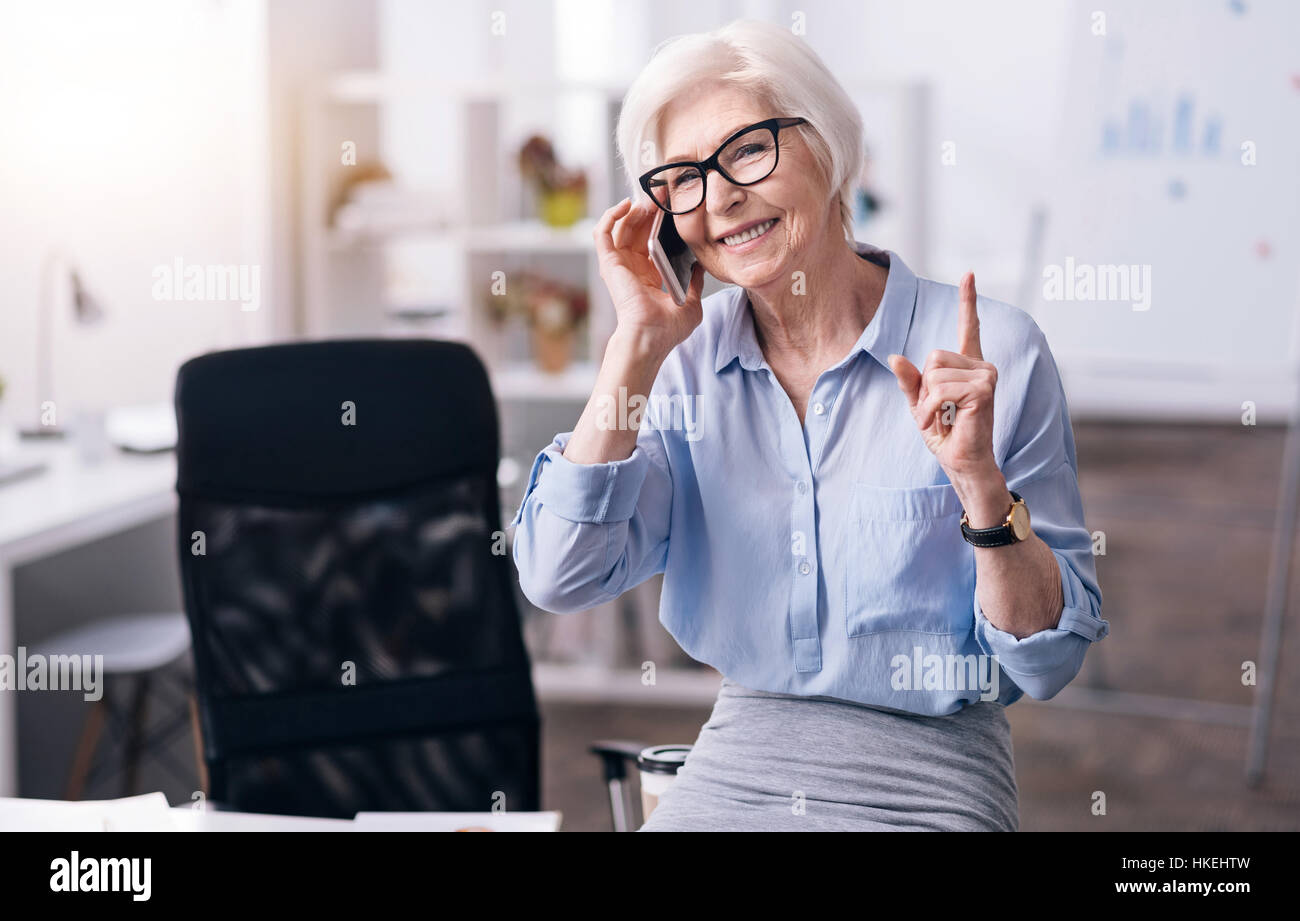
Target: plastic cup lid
662,759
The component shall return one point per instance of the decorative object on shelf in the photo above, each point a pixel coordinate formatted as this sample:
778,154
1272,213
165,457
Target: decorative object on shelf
417,321
553,309
865,200
360,175
561,192
370,203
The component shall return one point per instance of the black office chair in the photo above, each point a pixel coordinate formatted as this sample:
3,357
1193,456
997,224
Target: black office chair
356,639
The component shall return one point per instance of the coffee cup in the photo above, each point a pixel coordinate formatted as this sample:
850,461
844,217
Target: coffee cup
658,766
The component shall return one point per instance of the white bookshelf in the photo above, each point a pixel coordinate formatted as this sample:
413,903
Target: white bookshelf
481,229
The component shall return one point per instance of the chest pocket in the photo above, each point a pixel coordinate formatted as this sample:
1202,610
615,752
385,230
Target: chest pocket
911,568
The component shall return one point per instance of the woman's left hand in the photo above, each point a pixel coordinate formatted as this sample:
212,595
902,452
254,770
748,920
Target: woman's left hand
952,400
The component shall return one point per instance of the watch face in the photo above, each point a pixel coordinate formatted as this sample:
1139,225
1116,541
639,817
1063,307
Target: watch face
1020,521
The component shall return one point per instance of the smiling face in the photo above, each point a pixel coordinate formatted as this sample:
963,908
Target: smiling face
794,197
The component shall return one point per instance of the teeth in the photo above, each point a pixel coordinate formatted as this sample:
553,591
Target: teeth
758,231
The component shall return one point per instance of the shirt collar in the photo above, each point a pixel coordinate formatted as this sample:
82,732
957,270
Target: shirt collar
885,335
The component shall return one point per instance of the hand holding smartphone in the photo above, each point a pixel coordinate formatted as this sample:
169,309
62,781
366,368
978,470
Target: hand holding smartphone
627,237
671,256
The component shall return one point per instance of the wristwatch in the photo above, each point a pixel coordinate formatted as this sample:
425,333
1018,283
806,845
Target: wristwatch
1015,528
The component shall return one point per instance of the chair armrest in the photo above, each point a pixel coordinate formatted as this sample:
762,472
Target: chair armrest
614,754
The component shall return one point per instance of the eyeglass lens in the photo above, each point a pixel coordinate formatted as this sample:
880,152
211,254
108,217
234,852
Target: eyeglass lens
745,160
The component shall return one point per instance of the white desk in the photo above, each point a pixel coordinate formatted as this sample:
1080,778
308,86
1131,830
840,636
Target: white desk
186,818
68,504
150,812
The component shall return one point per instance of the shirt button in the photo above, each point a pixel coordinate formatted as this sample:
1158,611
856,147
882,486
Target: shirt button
804,568
802,487
819,408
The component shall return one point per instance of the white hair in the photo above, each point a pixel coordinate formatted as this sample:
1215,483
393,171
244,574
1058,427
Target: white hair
765,59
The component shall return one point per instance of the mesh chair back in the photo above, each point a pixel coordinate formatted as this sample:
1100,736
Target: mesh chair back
356,638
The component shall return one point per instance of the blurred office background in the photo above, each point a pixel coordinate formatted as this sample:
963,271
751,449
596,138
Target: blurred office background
375,160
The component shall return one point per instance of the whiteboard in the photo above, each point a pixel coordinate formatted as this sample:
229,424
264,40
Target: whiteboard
1152,180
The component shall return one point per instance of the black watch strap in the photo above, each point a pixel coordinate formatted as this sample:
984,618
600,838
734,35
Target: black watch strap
998,536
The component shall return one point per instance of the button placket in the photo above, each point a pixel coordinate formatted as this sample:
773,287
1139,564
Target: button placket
795,452
803,593
825,392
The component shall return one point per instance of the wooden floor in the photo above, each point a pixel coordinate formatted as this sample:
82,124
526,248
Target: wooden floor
1188,514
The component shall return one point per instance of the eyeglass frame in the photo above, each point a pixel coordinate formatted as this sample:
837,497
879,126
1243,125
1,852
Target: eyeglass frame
772,124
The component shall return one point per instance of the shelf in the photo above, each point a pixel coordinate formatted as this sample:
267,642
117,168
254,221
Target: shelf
376,87
339,240
510,236
528,382
530,236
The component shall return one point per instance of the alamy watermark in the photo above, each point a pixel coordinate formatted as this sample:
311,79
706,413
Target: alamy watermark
75,873
672,412
933,672
37,672
181,282
1086,282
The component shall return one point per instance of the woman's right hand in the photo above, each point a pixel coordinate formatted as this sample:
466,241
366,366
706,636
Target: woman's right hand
644,311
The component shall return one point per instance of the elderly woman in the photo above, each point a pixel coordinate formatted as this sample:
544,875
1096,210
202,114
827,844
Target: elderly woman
816,461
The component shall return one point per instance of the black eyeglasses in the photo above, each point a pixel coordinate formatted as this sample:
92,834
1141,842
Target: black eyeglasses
747,157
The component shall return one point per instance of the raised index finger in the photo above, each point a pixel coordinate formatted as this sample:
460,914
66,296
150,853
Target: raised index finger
968,321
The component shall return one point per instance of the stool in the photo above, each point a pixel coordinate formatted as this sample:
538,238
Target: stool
136,648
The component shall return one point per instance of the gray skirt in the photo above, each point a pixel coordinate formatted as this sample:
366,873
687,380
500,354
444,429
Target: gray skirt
780,762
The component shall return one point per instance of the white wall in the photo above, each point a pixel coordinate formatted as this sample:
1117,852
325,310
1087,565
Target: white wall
132,134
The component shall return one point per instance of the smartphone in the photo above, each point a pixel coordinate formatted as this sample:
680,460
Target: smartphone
671,256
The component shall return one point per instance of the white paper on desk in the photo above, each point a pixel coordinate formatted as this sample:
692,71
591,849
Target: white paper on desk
147,812
148,427
188,818
454,821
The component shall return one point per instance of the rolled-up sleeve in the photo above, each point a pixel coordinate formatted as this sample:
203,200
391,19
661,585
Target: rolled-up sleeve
1042,467
586,533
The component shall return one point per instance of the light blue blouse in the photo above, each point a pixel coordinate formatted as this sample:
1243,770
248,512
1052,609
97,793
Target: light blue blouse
822,559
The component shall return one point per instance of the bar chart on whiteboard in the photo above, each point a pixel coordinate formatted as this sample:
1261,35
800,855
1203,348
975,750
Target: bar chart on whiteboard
1169,267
